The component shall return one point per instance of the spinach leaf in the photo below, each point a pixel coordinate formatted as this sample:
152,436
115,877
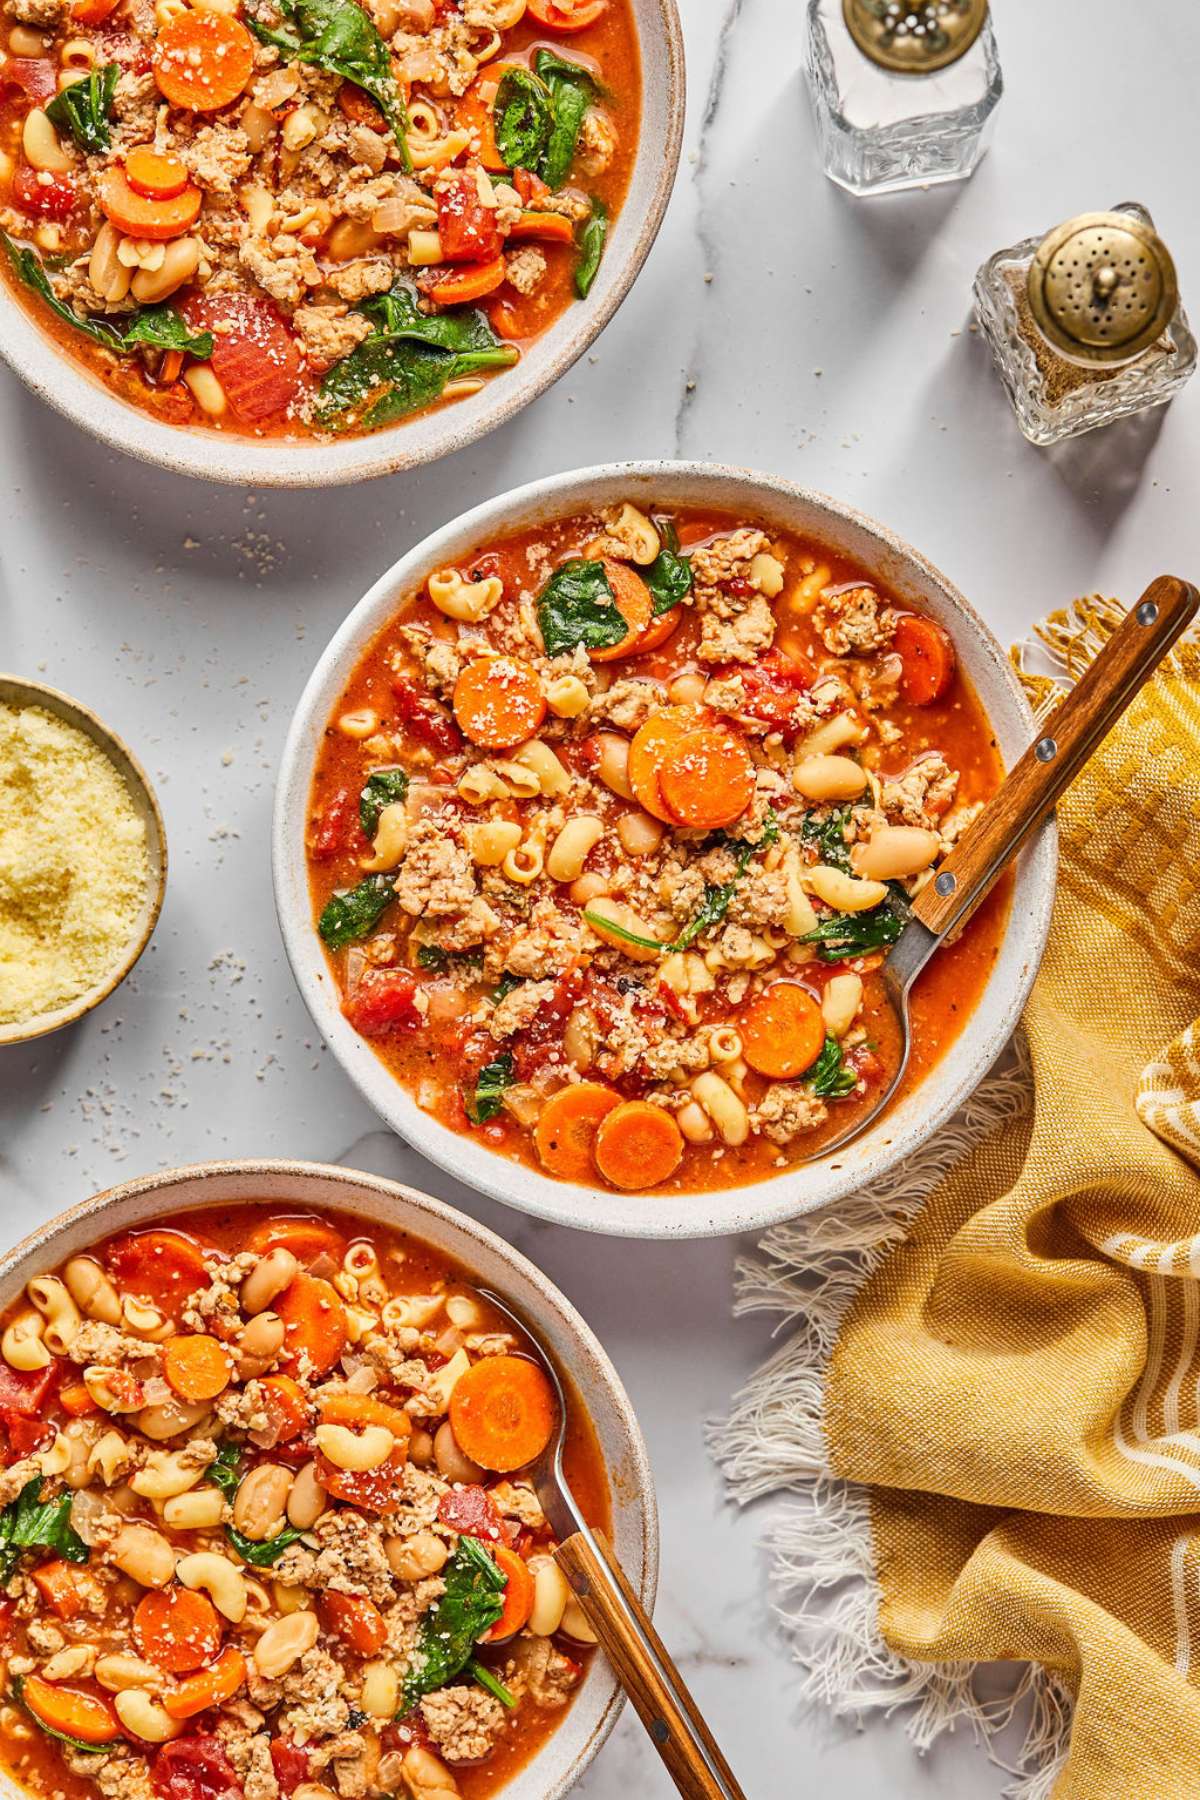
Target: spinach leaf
669,576
404,372
158,326
843,935
577,606
483,1675
507,984
30,1523
437,960
351,915
522,117
572,89
490,1085
828,834
715,903
262,1556
829,1077
592,234
18,1691
397,314
225,1473
383,787
162,328
339,37
84,107
473,1600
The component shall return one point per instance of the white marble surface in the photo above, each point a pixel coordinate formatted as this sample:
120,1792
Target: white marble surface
778,323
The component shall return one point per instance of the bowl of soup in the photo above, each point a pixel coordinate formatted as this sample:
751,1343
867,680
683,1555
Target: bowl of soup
597,819
237,1403
305,244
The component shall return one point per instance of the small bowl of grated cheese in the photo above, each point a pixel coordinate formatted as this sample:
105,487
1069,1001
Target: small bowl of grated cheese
83,860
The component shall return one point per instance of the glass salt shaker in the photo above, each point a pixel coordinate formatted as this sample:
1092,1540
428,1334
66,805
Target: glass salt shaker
903,91
1086,323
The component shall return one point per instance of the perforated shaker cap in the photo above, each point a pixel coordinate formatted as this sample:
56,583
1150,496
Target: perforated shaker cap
914,37
1102,288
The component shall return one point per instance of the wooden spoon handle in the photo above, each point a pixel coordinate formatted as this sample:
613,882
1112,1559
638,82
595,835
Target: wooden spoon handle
1075,731
645,1670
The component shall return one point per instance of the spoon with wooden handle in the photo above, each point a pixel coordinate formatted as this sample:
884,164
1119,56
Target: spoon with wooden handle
637,1654
1026,795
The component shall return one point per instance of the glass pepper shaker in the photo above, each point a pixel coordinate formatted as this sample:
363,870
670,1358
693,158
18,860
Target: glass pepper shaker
903,91
1086,323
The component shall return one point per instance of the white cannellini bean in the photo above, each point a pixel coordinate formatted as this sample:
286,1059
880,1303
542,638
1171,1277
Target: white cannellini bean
144,1717
207,391
41,145
640,835
612,763
829,778
840,1003
895,851
284,1642
180,263
550,1596
844,892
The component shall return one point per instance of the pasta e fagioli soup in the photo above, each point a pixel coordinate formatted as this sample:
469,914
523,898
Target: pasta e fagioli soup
612,826
245,1546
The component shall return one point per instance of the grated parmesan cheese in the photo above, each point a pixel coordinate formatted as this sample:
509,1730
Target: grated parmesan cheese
73,864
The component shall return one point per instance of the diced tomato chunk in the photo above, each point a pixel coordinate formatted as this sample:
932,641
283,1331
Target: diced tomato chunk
23,1434
24,1391
466,227
384,1001
291,1764
424,718
472,1511
35,76
337,831
255,357
194,1768
773,688
44,196
866,1063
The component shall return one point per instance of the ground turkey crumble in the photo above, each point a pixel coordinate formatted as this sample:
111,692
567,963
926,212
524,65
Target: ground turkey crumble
463,1722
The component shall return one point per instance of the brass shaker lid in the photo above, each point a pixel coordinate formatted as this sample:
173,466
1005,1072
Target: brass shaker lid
914,37
1102,288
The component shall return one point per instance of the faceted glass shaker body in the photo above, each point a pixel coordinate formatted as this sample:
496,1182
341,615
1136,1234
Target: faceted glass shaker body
1053,397
881,132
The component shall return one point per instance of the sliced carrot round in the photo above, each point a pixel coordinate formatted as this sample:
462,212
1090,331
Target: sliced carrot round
286,1406
566,1128
543,228
355,1619
575,17
176,1629
161,1267
202,60
503,1412
154,175
69,1710
360,109
658,631
471,282
474,112
305,1238
634,605
653,743
92,12
708,780
638,1146
926,651
197,1366
783,1031
518,1595
498,701
135,215
207,1687
314,1322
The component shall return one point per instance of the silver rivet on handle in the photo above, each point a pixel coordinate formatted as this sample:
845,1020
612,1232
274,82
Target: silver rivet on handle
1147,613
946,884
1046,750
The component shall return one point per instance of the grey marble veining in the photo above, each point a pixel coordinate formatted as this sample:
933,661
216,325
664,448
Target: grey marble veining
778,323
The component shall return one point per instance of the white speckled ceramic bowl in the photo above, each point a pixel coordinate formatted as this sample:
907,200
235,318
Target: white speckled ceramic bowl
593,1713
16,692
37,359
901,1130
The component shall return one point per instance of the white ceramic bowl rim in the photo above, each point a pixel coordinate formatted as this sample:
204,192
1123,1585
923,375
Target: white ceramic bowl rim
595,1710
908,1124
192,450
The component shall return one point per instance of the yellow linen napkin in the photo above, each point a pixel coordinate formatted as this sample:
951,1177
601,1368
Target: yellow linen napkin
993,1403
